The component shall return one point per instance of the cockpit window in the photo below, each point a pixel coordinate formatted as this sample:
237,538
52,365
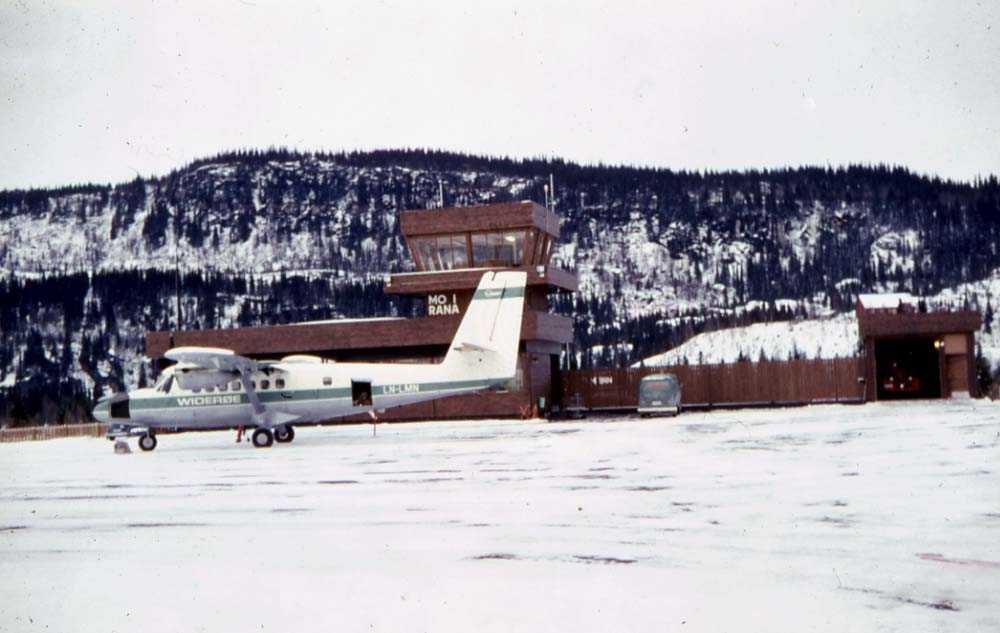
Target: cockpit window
165,385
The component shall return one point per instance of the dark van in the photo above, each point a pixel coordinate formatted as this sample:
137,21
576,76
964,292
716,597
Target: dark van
659,394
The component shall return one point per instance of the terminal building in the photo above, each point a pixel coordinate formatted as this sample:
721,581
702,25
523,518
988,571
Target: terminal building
451,249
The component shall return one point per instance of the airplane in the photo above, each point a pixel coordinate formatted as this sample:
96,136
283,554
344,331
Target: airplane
213,388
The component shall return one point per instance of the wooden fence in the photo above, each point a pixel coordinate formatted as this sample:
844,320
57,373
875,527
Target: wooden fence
730,385
29,433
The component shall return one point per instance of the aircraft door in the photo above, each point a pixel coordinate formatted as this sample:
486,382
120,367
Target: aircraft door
361,393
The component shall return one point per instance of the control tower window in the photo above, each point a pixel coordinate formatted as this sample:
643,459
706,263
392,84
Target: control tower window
512,248
426,248
442,252
498,249
480,250
451,251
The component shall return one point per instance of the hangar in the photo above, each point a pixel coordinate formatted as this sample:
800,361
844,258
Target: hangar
451,248
911,351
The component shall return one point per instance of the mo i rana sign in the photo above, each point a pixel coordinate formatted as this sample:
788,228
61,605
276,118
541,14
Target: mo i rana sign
442,305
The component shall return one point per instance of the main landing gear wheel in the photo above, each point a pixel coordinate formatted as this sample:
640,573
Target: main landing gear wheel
147,441
284,434
262,438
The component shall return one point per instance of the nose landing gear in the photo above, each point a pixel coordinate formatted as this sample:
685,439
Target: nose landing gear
147,441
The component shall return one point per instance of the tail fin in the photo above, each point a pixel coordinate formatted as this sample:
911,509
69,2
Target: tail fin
487,340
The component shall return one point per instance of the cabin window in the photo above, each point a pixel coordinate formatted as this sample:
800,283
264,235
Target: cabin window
224,386
165,387
265,384
196,390
279,383
235,385
327,381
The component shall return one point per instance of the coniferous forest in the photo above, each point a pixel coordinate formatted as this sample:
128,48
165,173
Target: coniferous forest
276,236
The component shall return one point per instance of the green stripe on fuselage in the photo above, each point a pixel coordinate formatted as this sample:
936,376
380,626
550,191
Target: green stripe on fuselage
302,395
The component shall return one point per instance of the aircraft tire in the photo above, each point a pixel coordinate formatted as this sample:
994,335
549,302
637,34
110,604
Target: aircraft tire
147,442
262,438
284,434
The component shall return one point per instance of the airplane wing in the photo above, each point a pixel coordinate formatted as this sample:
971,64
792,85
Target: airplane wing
228,360
212,358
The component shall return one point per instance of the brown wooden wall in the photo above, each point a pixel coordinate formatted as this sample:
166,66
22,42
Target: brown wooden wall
745,383
328,338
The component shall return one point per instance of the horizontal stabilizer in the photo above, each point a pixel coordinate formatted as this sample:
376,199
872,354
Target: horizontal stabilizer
471,347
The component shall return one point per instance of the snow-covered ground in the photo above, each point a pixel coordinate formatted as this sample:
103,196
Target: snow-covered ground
829,518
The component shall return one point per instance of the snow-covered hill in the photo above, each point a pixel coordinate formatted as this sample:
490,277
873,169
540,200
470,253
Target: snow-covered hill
832,337
835,337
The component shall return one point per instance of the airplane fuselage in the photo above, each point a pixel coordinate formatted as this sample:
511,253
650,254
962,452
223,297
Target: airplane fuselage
305,392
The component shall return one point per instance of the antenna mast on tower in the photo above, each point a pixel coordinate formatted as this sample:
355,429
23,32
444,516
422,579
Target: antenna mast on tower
177,288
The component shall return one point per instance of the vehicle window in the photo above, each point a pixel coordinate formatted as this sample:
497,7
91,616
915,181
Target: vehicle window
224,386
327,381
265,384
196,390
235,385
210,389
165,387
658,389
279,383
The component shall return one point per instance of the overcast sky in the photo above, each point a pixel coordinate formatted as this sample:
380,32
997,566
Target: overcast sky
102,91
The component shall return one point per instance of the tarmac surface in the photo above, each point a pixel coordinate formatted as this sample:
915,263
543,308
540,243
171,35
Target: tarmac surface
882,517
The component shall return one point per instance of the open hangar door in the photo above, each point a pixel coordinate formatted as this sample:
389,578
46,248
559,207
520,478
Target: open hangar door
907,368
